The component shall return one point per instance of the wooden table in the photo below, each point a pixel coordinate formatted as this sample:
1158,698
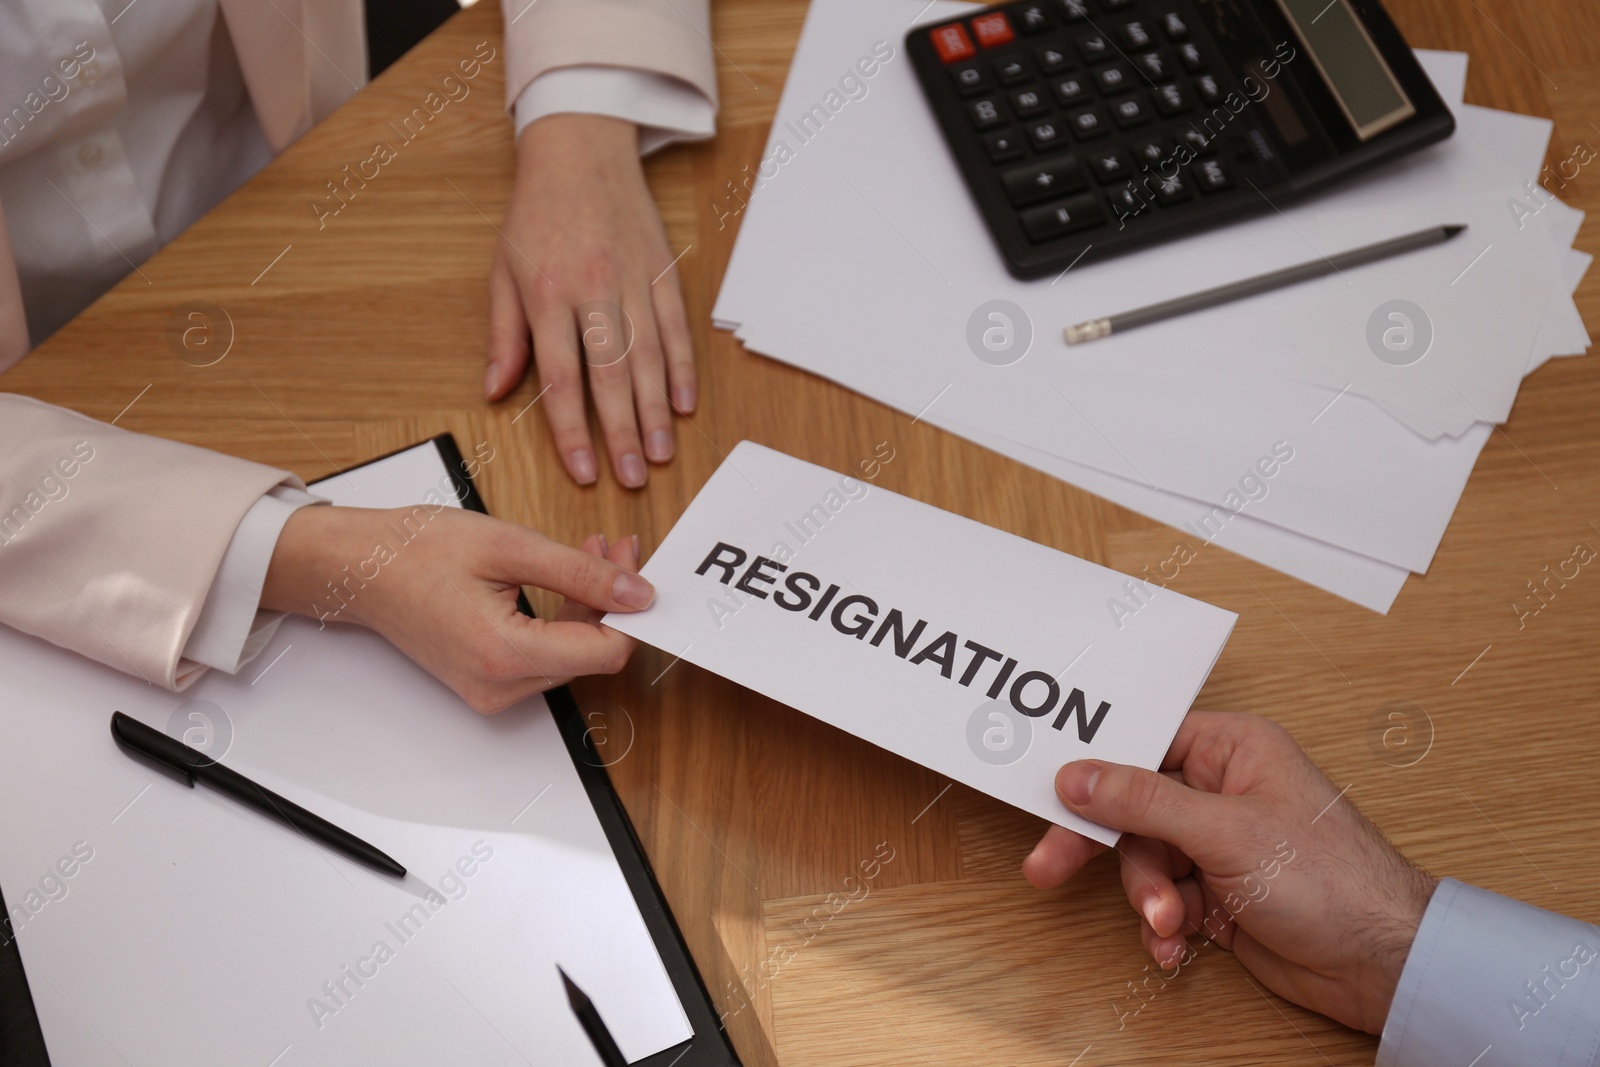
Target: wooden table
368,334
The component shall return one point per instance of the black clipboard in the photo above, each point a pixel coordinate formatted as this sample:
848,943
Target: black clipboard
22,1041
710,1046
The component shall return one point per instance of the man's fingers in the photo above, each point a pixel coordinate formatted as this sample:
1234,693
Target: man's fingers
1059,855
676,340
555,354
1166,951
508,333
1194,906
649,371
1144,802
1207,914
1147,878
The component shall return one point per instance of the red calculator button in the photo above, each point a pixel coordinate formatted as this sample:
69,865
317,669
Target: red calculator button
992,30
952,43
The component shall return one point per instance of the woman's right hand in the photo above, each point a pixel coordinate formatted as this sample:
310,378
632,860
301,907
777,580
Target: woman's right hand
442,584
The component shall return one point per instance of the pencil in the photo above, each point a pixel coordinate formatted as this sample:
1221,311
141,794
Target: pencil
592,1024
1095,329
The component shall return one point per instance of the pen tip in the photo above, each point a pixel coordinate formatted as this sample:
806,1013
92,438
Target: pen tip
575,996
1451,231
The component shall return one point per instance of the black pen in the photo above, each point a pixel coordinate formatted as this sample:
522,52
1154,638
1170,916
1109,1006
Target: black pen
174,758
592,1024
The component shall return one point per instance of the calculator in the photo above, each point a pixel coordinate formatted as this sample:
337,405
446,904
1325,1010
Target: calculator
1088,128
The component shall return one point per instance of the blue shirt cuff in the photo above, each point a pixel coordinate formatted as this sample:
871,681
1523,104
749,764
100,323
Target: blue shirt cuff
1493,981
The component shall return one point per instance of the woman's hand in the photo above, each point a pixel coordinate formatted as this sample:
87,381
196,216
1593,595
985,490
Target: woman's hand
1241,839
583,268
442,585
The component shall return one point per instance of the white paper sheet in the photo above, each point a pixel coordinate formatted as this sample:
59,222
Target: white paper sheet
1184,406
1354,577
201,933
1011,634
1462,316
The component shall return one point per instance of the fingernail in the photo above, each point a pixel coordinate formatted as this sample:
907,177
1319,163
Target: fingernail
491,378
683,399
605,546
635,540
632,591
631,470
658,446
1150,908
580,461
1075,782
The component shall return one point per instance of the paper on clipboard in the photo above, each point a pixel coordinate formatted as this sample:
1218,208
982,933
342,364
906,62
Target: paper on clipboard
199,933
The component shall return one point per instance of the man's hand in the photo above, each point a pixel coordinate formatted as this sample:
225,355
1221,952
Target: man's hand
1241,839
442,586
582,240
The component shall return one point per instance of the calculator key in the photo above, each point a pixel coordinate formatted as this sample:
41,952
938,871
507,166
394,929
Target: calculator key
1260,148
1153,65
1208,89
1197,142
1068,216
1113,78
1172,189
1130,110
1003,146
992,30
1071,91
1116,5
1028,102
1211,177
1125,202
1052,60
1046,136
985,114
1173,25
1094,47
952,43
1148,153
1193,61
1029,185
1012,72
1033,18
970,78
1171,99
1110,165
1088,122
1134,35
1075,10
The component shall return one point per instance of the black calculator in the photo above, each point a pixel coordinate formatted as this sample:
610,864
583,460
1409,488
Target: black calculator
1087,128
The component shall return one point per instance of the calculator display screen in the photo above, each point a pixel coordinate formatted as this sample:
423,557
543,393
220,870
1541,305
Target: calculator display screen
1349,62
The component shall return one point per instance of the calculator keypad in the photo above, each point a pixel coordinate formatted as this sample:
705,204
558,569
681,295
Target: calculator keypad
1099,115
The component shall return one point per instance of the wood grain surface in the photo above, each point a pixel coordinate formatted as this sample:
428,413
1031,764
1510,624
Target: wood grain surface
368,334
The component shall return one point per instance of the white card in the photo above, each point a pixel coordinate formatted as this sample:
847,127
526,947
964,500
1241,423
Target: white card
971,651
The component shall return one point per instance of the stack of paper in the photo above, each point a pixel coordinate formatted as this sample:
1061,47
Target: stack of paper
1276,427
